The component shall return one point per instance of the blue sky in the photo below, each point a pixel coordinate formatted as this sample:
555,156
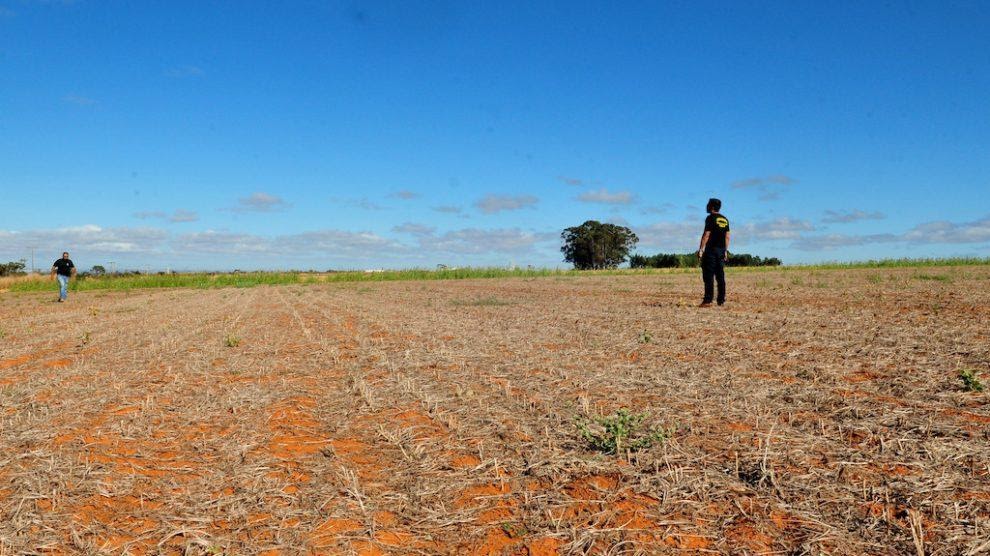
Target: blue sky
320,135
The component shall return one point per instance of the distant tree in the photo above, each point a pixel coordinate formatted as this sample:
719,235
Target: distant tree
98,270
594,245
13,268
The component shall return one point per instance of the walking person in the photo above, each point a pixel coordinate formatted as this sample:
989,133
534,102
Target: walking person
714,252
63,270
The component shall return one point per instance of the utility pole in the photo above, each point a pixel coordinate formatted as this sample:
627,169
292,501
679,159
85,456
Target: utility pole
32,261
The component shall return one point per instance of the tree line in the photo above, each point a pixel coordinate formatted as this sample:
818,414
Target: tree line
675,260
595,245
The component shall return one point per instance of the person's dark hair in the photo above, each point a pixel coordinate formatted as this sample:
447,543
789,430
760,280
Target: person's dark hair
714,205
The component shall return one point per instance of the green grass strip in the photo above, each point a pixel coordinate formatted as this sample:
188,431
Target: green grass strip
250,279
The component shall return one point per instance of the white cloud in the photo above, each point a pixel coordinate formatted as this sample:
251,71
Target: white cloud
319,243
414,229
828,242
674,237
89,238
492,204
771,230
942,231
845,217
260,202
604,196
474,241
683,236
216,242
181,215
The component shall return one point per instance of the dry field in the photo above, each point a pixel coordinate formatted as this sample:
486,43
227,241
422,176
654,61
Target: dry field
820,412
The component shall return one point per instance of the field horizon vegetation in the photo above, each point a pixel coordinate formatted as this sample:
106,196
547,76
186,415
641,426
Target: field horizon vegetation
221,279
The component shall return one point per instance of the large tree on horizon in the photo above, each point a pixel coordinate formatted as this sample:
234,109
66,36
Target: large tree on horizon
594,245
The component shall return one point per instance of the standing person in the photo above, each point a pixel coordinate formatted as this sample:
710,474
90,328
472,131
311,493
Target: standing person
714,252
63,269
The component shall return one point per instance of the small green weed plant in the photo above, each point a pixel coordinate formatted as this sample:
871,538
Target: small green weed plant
621,432
971,381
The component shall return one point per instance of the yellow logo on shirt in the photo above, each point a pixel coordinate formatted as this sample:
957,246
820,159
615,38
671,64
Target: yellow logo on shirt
722,222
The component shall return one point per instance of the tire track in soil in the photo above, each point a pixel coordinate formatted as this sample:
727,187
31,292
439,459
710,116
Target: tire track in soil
366,460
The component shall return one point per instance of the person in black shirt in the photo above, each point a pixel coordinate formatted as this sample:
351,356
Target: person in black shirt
63,269
713,252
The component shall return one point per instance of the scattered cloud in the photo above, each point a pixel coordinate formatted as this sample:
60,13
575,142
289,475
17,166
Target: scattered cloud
182,215
942,231
405,195
341,244
218,242
180,72
828,242
78,100
571,181
845,217
661,209
491,204
414,229
769,187
683,236
337,244
448,209
260,202
362,203
763,182
334,244
604,196
675,237
475,241
771,230
89,238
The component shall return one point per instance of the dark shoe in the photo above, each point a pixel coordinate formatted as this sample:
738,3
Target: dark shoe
61,300
705,305
720,303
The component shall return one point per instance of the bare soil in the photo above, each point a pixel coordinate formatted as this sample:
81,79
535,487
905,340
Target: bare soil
819,412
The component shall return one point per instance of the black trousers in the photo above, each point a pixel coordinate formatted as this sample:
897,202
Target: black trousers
713,270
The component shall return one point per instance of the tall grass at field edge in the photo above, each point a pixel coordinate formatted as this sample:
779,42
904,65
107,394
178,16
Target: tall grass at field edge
250,279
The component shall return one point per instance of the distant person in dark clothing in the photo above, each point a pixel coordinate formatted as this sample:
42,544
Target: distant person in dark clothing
714,252
62,270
